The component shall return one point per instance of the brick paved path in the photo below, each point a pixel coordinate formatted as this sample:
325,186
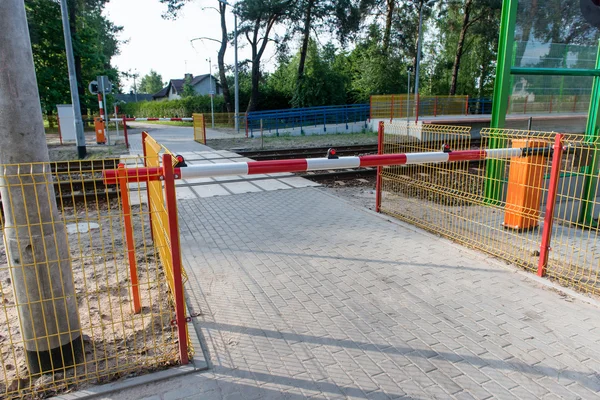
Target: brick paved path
304,295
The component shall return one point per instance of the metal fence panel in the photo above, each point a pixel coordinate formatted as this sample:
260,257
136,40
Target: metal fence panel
116,341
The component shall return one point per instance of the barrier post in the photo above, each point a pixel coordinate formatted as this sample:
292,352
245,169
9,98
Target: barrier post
467,105
378,182
392,110
144,135
124,191
125,131
550,202
171,206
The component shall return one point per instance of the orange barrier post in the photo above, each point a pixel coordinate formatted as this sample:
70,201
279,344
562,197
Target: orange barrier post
550,202
135,290
99,127
171,206
525,182
379,151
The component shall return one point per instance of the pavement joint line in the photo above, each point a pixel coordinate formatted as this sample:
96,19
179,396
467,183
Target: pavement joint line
547,283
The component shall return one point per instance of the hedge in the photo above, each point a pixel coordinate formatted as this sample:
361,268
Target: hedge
173,108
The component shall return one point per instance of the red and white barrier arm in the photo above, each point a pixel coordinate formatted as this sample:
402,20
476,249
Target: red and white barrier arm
156,119
313,164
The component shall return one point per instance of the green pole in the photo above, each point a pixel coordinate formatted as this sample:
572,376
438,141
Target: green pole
494,168
590,184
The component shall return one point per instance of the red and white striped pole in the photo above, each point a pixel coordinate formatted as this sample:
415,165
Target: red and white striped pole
315,164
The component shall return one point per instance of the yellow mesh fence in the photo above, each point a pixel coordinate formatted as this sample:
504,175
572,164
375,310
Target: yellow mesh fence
199,128
66,283
399,106
541,104
449,198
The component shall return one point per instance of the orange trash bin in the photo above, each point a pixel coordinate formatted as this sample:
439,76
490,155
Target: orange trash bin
525,186
99,127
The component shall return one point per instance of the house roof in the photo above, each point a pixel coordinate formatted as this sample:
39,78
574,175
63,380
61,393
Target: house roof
177,84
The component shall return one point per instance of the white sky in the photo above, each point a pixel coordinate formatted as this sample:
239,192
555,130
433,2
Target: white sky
164,45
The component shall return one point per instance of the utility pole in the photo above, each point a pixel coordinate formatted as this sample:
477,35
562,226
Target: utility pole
35,237
79,135
211,93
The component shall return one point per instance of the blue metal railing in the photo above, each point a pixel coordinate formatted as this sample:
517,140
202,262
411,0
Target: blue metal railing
313,119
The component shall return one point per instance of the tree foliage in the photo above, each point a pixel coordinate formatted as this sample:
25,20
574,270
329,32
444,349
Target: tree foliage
94,44
151,83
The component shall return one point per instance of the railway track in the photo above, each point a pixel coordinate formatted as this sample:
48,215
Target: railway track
76,181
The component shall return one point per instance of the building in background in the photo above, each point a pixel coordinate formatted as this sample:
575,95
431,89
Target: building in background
201,85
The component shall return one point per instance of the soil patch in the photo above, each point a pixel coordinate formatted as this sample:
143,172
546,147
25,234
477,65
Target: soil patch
117,342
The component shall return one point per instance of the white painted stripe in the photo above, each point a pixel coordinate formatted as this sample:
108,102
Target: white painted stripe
333,163
503,153
100,104
210,170
422,158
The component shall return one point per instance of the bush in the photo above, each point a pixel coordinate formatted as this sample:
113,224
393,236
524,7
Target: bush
173,108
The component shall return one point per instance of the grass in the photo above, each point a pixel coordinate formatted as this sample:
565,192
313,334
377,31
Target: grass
289,141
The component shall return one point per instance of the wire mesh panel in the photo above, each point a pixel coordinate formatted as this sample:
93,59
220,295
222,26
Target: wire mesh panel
402,106
449,198
199,128
67,284
574,257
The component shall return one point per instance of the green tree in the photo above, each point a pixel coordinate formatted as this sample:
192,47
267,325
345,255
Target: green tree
94,44
188,89
259,17
151,83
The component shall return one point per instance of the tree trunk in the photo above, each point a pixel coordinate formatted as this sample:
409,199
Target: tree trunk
34,235
220,59
459,48
391,6
254,94
305,39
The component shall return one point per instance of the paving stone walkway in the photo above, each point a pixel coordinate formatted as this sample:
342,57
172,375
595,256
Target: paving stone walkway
305,296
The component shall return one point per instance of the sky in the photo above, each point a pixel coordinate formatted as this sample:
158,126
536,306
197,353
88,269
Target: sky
151,42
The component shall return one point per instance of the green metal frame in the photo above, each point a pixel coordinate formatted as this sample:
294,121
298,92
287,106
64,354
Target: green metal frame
495,168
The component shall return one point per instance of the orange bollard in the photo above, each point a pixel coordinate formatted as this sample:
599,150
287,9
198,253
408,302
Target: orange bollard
99,127
525,183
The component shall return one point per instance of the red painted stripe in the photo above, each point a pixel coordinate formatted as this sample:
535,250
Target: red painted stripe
176,119
383,159
466,155
133,175
152,119
268,167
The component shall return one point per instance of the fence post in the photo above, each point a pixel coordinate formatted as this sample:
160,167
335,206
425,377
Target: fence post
467,105
125,131
392,110
574,103
124,191
171,205
551,98
435,106
144,135
525,105
379,151
550,202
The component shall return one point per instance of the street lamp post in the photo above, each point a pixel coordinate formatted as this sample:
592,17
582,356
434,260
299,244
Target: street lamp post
408,70
419,43
211,93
